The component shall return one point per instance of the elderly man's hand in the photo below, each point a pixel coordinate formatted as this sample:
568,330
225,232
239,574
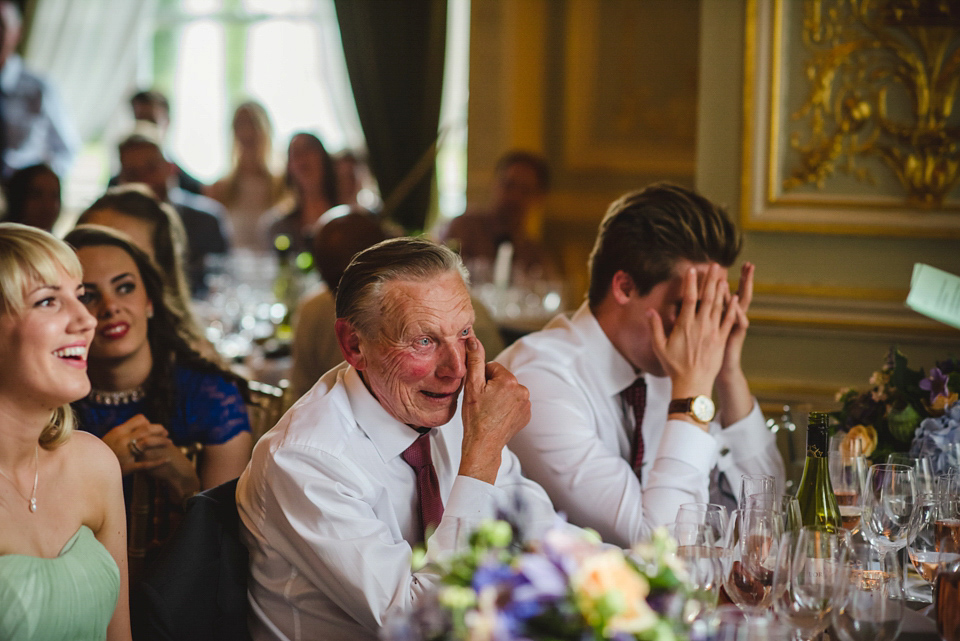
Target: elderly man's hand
495,407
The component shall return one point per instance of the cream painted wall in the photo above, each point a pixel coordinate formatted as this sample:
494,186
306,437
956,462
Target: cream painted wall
828,306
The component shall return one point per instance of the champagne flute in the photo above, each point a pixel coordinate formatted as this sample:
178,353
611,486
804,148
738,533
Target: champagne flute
928,545
847,475
786,506
752,543
873,606
809,579
948,505
888,502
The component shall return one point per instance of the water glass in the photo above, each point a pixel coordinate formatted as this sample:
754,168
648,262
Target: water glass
701,556
873,605
888,502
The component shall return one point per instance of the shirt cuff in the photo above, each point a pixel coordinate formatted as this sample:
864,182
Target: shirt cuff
472,499
747,438
687,442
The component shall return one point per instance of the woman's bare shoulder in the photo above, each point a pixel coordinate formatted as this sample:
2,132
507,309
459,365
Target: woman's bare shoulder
90,454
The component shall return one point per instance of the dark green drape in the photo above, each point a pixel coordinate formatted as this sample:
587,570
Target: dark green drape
394,51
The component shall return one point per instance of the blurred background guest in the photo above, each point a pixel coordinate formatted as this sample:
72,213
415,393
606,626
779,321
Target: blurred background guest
153,393
153,107
63,559
313,180
251,187
33,197
156,229
142,161
521,183
340,234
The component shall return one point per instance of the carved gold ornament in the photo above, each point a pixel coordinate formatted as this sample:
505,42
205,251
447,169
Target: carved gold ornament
882,77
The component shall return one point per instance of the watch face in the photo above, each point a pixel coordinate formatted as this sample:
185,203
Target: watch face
702,409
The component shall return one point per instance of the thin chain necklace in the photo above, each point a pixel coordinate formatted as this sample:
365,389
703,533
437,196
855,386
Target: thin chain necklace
36,477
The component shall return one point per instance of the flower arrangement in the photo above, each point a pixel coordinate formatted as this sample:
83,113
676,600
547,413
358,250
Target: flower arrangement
905,410
565,586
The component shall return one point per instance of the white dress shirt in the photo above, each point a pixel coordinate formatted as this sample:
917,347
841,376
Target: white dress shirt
328,509
37,127
579,440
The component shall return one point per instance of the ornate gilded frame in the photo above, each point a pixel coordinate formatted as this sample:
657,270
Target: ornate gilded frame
816,179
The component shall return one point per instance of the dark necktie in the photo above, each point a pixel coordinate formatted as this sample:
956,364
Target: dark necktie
428,488
636,397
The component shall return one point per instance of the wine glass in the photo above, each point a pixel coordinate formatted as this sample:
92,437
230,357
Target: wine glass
701,557
948,495
730,623
751,484
924,548
752,542
786,506
922,470
873,606
888,502
946,599
847,475
809,579
709,514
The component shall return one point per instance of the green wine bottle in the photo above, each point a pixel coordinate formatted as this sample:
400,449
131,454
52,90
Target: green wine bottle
818,503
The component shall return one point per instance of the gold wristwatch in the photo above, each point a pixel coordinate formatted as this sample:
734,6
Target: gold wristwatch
699,408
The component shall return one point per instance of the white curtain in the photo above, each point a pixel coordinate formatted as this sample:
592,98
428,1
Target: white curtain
91,51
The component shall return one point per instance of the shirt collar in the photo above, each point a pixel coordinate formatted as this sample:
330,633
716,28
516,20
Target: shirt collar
389,436
609,369
10,73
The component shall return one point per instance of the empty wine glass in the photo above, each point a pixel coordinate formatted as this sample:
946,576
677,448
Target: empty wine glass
752,542
709,514
847,475
786,507
809,579
888,502
923,476
873,605
700,555
751,484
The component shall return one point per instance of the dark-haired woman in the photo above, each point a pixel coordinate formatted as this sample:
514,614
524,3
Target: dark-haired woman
153,393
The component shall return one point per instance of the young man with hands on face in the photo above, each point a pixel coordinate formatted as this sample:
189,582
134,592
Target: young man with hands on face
658,339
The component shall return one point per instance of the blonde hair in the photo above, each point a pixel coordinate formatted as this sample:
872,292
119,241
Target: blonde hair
29,256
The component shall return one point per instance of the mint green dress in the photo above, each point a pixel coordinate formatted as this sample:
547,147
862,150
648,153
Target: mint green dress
72,596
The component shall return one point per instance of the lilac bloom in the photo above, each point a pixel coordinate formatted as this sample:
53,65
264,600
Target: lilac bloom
936,384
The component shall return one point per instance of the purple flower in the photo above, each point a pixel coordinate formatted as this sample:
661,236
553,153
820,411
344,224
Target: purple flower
936,384
939,439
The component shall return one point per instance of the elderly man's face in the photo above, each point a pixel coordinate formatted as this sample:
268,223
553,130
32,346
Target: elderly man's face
416,365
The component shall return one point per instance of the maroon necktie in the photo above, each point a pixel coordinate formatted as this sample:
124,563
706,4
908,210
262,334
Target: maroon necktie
636,397
428,488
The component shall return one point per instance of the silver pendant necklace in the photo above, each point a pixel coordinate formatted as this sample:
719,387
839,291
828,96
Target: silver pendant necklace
36,477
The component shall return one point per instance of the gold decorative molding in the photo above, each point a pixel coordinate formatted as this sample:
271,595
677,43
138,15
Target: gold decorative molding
638,124
854,122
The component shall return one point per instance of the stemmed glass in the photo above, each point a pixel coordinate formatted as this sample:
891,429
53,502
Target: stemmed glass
709,514
751,484
874,602
698,551
810,579
752,543
888,502
848,474
923,476
785,506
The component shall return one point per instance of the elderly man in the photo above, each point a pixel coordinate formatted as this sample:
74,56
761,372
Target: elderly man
623,428
380,454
